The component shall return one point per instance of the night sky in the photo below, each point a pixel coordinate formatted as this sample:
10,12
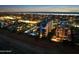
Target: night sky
39,6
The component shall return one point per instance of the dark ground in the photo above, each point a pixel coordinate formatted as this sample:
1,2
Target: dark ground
17,43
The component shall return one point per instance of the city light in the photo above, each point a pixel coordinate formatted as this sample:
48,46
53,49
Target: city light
27,21
56,30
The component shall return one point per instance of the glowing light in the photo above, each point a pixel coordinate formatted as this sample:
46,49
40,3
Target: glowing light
55,39
8,17
27,21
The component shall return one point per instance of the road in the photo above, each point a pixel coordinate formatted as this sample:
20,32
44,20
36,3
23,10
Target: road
16,43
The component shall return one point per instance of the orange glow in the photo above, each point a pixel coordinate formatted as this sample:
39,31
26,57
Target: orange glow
61,34
56,39
8,17
27,21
